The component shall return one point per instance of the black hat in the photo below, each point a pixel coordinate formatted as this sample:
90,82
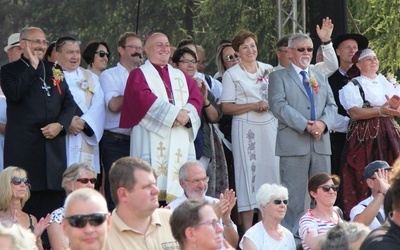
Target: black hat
371,168
361,40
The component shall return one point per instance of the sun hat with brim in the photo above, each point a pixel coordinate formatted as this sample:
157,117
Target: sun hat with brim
13,41
361,40
371,168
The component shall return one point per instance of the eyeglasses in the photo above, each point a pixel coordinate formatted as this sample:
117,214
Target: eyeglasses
326,188
303,49
80,220
186,61
215,223
37,42
278,202
230,58
102,53
206,179
132,47
86,180
17,181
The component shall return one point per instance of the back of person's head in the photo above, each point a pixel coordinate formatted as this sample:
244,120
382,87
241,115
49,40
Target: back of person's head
319,179
298,37
179,52
122,174
49,51
186,42
73,172
15,237
345,236
184,216
240,37
6,191
91,49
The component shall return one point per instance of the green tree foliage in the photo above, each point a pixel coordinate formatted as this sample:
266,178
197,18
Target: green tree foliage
379,22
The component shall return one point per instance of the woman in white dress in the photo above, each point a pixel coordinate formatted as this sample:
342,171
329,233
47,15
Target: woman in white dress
254,128
269,233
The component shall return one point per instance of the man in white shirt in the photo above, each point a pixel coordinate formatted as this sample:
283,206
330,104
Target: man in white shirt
194,181
370,211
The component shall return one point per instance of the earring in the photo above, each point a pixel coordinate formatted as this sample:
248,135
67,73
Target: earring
194,246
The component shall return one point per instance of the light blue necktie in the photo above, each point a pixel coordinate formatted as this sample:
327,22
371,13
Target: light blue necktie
309,93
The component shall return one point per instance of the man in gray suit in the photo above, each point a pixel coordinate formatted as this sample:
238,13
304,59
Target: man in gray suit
303,102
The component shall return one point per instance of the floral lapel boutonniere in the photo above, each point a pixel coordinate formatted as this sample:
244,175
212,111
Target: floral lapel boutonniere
85,87
264,77
58,76
313,83
392,79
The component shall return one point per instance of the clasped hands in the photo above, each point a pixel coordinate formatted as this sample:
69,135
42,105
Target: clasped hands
260,106
77,125
316,129
182,118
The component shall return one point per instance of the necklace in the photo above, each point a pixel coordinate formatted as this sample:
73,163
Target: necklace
45,87
250,76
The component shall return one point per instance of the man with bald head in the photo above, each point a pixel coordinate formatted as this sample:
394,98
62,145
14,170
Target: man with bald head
39,110
162,106
86,220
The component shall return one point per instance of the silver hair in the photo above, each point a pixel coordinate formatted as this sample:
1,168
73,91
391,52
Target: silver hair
184,169
269,191
343,235
298,37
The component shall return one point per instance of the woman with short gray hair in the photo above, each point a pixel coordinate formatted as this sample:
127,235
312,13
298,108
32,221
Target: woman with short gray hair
272,200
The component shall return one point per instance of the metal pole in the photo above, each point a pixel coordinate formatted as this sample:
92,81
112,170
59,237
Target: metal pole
137,17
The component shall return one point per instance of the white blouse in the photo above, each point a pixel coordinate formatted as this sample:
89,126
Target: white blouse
374,91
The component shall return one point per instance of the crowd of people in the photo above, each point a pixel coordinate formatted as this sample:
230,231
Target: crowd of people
155,154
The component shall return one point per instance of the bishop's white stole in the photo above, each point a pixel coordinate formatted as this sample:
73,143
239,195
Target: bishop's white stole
170,147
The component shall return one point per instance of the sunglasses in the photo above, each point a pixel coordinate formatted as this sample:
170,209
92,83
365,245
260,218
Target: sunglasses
303,49
102,53
17,181
278,202
326,188
80,220
86,180
230,58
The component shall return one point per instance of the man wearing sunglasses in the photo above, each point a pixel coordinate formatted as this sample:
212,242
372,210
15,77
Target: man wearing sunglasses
302,101
116,140
194,181
370,211
137,222
330,62
87,125
86,220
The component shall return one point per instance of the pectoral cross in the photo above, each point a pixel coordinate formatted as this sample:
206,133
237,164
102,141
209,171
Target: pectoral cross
45,87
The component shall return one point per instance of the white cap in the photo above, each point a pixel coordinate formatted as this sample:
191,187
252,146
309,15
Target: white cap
13,41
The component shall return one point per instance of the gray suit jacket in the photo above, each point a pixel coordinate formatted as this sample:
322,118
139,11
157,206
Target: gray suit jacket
289,103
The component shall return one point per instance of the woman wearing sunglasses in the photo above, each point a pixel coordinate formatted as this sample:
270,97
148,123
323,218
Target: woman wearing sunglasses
78,175
14,192
272,200
96,55
318,221
254,127
195,225
226,58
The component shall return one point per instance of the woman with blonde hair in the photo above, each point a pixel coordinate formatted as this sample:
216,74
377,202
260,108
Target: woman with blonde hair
78,175
14,192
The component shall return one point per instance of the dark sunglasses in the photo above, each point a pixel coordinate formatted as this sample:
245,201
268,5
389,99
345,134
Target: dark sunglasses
17,181
230,58
303,49
278,202
86,180
326,188
102,53
80,220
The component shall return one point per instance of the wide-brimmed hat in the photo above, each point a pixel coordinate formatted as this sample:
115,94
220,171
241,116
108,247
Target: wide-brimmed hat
371,168
361,40
13,41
